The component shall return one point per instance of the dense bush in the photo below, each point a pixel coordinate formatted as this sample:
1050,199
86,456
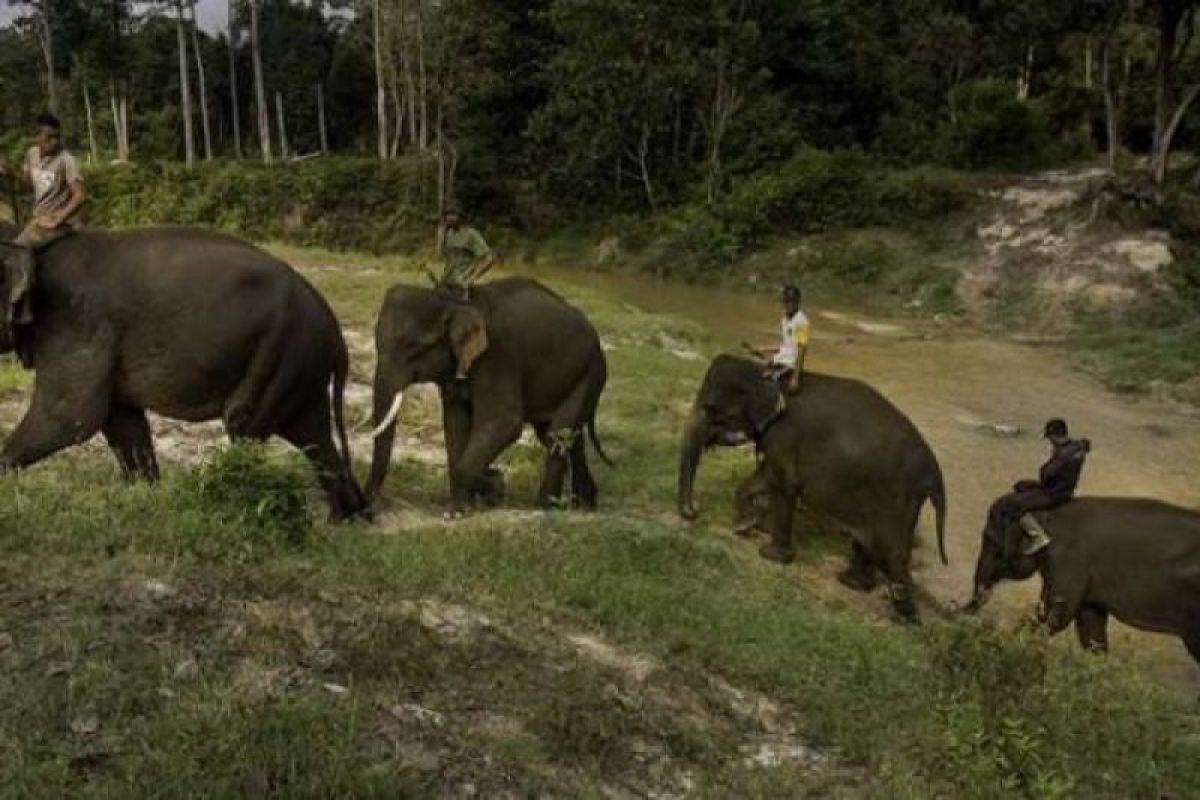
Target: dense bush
337,203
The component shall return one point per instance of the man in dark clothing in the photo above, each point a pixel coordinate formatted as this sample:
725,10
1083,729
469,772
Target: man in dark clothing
1054,487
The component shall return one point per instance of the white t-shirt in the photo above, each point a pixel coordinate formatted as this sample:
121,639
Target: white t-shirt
52,177
793,336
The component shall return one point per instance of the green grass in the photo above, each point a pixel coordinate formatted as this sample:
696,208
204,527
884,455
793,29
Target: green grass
168,641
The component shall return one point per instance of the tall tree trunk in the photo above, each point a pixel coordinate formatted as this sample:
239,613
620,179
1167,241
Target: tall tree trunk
284,151
203,86
1087,63
410,90
47,42
1170,15
321,119
94,152
116,115
1111,122
381,122
1168,135
234,106
423,94
398,109
185,91
125,147
1023,85
260,89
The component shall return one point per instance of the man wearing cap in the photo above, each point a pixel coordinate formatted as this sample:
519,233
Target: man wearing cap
465,254
1054,486
786,359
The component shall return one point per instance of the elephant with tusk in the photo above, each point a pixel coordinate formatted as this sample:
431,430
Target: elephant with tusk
529,357
186,323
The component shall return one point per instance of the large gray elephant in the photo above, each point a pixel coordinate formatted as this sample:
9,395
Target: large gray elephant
839,449
531,358
189,324
1135,559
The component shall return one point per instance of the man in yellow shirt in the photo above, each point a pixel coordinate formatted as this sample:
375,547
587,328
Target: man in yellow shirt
786,359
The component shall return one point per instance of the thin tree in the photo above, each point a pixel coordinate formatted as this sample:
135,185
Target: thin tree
234,106
423,93
260,90
185,92
284,151
380,89
1176,26
324,136
208,151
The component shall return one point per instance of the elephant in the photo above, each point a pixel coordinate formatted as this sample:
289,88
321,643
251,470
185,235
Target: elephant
186,323
529,357
837,447
1132,558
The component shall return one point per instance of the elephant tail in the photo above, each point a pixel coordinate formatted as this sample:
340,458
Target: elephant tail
936,494
591,427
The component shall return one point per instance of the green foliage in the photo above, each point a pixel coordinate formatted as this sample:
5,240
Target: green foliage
263,495
338,203
992,127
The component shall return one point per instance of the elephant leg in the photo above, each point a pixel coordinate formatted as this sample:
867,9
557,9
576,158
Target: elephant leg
861,575
310,432
1091,625
749,505
456,427
584,492
70,401
897,567
128,435
781,511
1191,641
554,468
489,438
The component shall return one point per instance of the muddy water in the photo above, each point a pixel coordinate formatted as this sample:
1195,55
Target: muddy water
954,384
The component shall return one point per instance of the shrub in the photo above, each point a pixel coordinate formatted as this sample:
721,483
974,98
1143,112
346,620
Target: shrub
263,495
993,127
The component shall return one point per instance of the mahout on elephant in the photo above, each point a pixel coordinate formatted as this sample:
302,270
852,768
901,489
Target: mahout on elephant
838,448
529,357
189,324
1131,558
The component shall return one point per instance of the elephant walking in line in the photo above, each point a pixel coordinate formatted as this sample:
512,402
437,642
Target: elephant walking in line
189,324
1135,559
837,447
531,358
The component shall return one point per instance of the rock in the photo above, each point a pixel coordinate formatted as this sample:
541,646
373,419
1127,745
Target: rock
85,724
1000,430
6,641
158,590
1145,255
335,688
410,712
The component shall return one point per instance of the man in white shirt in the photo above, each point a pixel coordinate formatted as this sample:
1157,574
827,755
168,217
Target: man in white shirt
58,193
785,361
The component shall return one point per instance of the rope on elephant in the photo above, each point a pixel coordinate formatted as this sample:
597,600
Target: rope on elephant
562,440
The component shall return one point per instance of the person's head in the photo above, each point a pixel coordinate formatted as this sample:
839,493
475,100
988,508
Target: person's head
1056,431
791,297
47,134
451,217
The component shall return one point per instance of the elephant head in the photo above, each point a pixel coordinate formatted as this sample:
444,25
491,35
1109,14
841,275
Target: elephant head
1002,557
735,405
421,336
16,300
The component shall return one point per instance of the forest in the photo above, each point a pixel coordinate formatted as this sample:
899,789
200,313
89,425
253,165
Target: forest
585,105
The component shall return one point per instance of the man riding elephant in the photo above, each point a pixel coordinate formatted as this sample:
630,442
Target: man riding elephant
58,193
785,360
1054,487
466,256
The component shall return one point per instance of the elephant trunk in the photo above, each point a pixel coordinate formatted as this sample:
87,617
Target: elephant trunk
389,395
695,436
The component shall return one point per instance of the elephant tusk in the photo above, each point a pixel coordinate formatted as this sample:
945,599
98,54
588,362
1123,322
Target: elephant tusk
390,419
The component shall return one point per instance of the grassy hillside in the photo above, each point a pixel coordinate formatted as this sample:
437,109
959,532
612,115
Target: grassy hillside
210,637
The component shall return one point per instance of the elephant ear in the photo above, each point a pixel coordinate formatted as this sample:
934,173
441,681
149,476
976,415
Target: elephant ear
764,402
18,285
468,336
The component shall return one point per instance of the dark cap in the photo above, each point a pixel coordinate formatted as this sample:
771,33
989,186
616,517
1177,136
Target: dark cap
1055,427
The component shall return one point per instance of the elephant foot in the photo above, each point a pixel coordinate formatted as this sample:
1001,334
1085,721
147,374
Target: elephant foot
780,555
904,609
858,580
